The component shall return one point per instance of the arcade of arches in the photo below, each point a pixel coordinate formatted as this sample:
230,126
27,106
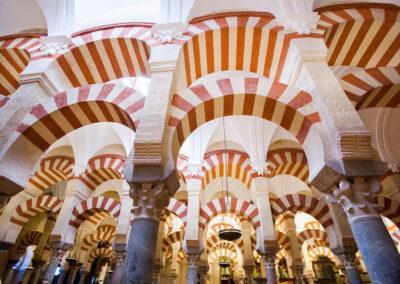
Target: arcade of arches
199,141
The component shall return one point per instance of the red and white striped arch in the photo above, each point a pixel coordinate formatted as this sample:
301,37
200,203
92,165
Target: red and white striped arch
288,162
103,56
31,207
281,254
314,252
243,209
179,209
304,203
229,253
172,238
251,42
89,207
234,164
362,35
101,169
373,87
283,240
390,209
75,108
51,170
31,238
311,234
286,106
103,233
15,54
100,252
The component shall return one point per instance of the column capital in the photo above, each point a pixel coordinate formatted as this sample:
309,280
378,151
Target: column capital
202,270
347,255
38,263
269,258
193,259
248,269
357,197
120,257
149,199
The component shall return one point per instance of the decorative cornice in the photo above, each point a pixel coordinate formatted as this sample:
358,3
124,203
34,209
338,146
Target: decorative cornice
53,45
168,32
302,23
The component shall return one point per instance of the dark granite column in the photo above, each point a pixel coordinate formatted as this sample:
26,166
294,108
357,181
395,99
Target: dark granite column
73,270
9,271
148,202
373,240
119,267
202,270
348,257
156,274
268,258
248,270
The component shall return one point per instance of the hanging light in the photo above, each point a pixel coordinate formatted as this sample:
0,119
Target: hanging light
224,262
227,234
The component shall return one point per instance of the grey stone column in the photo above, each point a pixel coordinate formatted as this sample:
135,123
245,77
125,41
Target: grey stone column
84,273
148,202
9,271
37,265
298,269
119,267
193,262
57,253
202,270
156,274
248,270
73,270
373,239
348,257
268,258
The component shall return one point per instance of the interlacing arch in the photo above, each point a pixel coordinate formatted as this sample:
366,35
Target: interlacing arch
314,252
247,41
15,54
286,106
31,207
75,108
243,209
288,162
86,210
51,170
172,238
104,55
362,35
283,240
282,253
104,252
229,163
390,209
102,233
28,239
179,209
101,169
179,258
217,253
304,203
311,234
373,87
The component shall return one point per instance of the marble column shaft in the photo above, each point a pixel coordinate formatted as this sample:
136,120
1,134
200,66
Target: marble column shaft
118,268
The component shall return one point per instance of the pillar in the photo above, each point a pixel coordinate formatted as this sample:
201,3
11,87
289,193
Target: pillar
202,271
84,273
9,271
149,199
268,258
73,270
57,254
193,262
37,265
379,252
297,264
248,270
348,257
157,273
119,267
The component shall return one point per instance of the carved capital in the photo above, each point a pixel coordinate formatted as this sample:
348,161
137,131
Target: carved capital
58,250
202,271
193,259
53,45
248,270
269,259
356,198
168,32
38,263
120,257
302,23
347,255
149,199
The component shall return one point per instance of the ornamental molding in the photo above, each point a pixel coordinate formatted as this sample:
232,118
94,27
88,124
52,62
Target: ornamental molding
148,152
193,259
357,199
53,45
149,199
301,22
168,32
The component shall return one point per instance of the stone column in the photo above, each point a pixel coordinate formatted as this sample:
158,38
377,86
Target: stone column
84,273
268,258
148,202
119,267
348,257
73,270
248,270
57,254
193,262
202,271
9,271
157,273
37,265
373,239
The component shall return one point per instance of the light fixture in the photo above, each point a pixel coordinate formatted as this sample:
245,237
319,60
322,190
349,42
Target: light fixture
227,234
224,262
